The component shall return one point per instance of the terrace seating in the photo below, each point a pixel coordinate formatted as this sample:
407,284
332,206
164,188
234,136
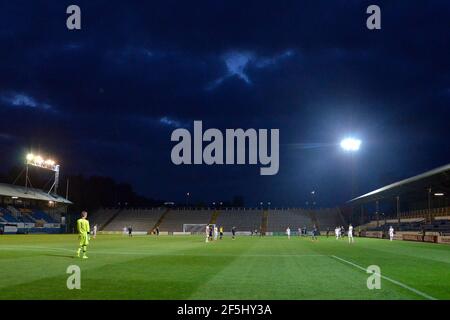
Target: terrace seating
15,212
7,216
101,216
279,220
138,219
174,219
25,218
243,220
40,215
440,226
328,218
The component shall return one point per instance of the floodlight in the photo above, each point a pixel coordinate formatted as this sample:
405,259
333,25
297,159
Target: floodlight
38,160
439,194
350,144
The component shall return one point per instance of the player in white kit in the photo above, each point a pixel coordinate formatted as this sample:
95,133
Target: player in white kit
94,231
337,231
216,233
207,233
350,234
288,232
391,233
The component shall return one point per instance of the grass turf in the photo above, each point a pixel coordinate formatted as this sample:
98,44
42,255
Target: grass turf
185,267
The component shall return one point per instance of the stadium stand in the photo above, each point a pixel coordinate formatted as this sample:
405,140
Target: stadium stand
25,215
102,216
328,218
31,210
242,219
279,220
41,215
175,219
7,215
440,226
139,219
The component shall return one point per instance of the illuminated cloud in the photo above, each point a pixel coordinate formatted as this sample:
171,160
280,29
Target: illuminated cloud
22,100
267,62
169,122
237,62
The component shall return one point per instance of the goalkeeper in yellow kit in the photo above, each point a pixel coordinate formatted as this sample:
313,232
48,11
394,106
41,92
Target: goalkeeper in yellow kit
83,234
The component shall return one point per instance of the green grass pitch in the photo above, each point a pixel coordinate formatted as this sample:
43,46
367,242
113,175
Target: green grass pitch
185,267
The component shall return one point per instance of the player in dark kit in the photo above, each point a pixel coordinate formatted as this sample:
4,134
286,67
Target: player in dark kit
314,233
233,232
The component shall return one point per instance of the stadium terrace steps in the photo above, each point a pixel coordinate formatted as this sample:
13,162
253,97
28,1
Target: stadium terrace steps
264,222
159,221
371,224
438,226
341,218
214,217
138,219
175,219
103,217
28,218
242,219
7,216
279,220
13,211
100,216
41,215
313,217
328,218
110,219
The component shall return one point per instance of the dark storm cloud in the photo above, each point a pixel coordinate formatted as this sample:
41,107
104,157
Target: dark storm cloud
112,92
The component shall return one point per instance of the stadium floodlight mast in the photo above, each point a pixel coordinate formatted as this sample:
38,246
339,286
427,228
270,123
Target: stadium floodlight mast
48,164
351,145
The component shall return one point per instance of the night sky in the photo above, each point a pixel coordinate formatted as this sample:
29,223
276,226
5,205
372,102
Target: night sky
104,100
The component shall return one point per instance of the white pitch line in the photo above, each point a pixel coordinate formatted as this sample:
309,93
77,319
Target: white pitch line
420,293
146,253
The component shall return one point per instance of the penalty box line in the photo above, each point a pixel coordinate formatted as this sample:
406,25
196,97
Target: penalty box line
418,292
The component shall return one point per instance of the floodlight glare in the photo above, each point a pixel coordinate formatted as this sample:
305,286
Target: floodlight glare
44,163
350,144
39,161
439,194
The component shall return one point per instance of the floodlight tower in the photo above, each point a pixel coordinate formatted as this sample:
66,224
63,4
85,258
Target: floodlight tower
49,164
351,145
